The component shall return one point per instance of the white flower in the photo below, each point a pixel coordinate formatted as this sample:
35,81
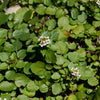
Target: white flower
12,9
75,72
0,98
44,41
98,2
5,99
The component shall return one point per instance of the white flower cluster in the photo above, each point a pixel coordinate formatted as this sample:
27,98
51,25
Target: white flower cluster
75,72
44,41
3,99
98,2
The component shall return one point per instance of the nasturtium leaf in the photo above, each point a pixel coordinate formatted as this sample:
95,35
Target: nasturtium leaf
3,33
56,88
28,15
35,98
70,3
1,77
93,81
4,56
96,23
20,64
21,54
72,46
5,96
73,56
86,73
97,16
41,9
29,93
38,68
22,34
51,23
82,17
19,16
51,10
32,87
10,75
47,2
17,45
3,66
59,13
3,18
63,22
60,60
72,97
21,80
59,98
50,56
9,47
79,29
55,76
26,69
81,95
62,47
74,13
22,97
7,86
43,88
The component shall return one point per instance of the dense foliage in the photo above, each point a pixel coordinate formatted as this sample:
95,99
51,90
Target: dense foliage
50,50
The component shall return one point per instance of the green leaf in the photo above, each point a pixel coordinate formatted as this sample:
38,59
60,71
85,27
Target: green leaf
55,76
51,10
10,75
63,22
72,46
17,44
59,13
19,16
60,60
31,86
21,80
74,13
29,93
96,23
20,64
97,16
43,88
48,2
6,86
50,56
4,56
56,88
8,47
22,34
1,77
51,23
82,17
38,68
61,47
3,66
41,9
79,29
3,18
73,56
93,81
22,97
21,54
72,97
3,33
5,95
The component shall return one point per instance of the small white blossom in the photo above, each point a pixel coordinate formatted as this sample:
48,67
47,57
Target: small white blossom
5,99
98,2
75,72
44,41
